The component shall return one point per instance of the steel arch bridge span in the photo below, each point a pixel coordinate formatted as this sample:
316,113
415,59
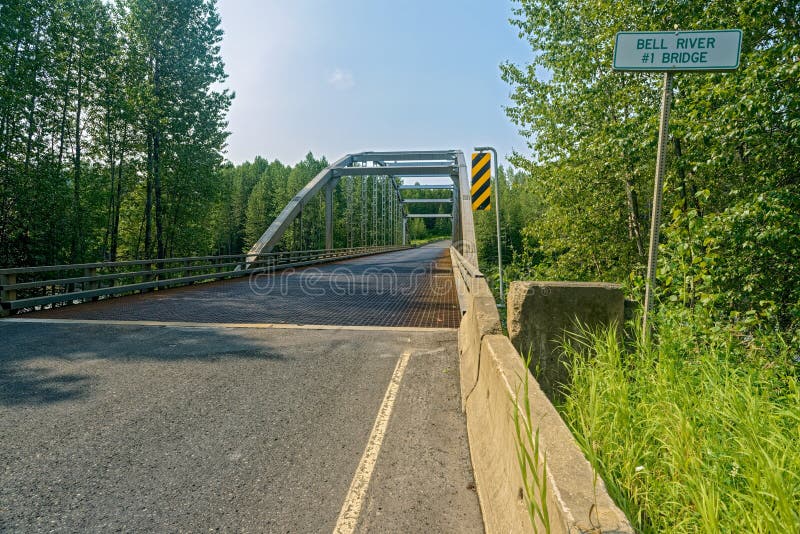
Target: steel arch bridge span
449,163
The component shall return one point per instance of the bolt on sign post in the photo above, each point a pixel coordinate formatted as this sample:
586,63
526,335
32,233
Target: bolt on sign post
669,52
481,196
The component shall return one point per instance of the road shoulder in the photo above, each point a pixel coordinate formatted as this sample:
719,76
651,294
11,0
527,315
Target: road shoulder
423,477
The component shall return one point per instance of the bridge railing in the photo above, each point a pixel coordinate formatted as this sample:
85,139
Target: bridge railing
469,279
25,288
499,396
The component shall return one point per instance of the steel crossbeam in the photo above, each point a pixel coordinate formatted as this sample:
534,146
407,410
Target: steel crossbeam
390,166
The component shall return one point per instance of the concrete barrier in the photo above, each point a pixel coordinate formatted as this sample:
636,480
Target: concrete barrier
493,376
480,321
541,313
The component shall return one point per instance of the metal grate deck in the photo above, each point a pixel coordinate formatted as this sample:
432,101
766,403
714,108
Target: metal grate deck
412,288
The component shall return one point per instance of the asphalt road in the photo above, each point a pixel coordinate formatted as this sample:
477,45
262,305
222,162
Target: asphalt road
109,428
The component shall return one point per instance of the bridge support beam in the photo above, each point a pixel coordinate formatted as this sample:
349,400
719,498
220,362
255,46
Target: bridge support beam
465,228
329,188
405,229
381,164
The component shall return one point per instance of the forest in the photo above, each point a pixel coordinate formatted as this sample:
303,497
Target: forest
696,431
112,142
731,234
112,129
253,194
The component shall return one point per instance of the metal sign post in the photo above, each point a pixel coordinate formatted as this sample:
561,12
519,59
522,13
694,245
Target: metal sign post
496,177
658,192
668,52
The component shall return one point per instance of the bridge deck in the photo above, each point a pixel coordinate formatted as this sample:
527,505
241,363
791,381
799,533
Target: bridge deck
412,288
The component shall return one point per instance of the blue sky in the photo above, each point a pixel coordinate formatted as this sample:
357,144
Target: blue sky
339,76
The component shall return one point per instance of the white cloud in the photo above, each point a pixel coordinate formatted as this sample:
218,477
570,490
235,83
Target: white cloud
341,79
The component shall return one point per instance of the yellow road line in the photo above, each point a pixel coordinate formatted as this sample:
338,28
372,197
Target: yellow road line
354,502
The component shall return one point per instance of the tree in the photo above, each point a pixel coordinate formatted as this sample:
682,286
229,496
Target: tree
263,203
110,126
177,47
732,179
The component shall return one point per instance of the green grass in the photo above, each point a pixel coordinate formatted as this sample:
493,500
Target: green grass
698,433
532,463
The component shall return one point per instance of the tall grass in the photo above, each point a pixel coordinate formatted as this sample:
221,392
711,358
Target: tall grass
697,433
532,463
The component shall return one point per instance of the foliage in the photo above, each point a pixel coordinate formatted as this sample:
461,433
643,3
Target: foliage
700,433
742,261
518,204
111,131
364,214
422,230
264,201
255,194
730,241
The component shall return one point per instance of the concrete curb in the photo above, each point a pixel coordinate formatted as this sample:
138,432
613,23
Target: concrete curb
480,320
492,377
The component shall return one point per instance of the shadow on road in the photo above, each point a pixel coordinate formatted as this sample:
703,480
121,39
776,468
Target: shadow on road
51,363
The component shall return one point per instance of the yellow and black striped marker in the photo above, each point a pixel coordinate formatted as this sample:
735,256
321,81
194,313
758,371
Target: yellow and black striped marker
481,181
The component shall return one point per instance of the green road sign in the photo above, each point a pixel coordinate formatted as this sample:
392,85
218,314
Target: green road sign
713,50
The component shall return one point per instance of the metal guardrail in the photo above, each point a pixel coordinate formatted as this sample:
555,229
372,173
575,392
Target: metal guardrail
28,287
469,279
468,272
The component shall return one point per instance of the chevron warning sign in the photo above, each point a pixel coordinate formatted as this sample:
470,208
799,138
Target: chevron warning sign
481,181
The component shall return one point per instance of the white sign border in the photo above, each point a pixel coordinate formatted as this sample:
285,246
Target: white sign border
677,69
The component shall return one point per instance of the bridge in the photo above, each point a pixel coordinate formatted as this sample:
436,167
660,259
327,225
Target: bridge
272,391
